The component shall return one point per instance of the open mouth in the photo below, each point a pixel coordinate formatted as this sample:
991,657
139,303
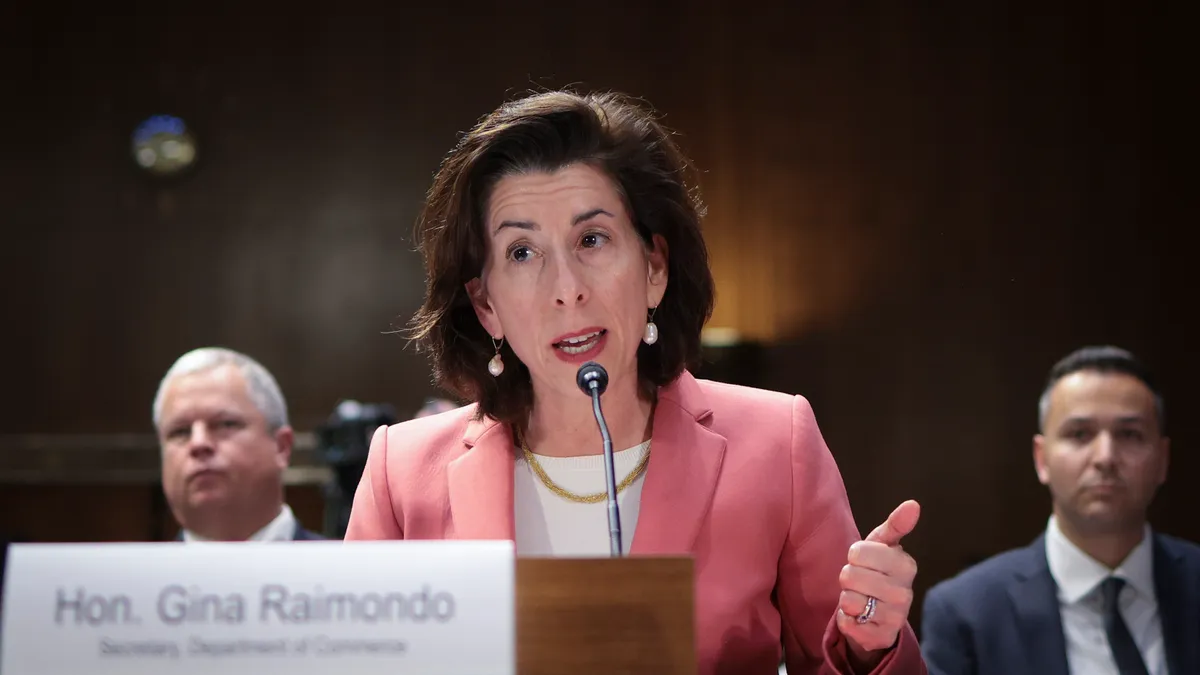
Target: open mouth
580,344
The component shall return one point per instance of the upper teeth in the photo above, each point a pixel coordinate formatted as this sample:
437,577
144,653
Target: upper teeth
581,338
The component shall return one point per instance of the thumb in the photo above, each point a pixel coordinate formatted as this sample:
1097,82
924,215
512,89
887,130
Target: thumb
902,521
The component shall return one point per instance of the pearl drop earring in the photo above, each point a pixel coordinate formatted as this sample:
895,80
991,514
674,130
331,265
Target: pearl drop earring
496,365
651,334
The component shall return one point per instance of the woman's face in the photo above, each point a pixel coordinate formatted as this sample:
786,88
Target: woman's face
567,279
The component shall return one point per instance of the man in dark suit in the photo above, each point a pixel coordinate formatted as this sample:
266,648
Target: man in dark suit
1099,592
223,428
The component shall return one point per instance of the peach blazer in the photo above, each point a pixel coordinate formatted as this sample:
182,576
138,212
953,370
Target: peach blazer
739,478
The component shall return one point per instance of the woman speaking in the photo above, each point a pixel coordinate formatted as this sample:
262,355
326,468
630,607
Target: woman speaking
564,229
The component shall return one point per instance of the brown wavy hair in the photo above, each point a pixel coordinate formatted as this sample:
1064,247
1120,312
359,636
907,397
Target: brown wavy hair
546,132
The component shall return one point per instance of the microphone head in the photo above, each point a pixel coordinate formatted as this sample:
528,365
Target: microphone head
592,375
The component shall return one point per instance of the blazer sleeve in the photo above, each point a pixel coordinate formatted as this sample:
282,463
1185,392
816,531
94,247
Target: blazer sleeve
373,513
819,537
945,637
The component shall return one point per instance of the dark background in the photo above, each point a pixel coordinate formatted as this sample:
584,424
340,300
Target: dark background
913,213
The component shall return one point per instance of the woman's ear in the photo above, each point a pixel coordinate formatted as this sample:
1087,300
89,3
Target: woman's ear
483,308
656,271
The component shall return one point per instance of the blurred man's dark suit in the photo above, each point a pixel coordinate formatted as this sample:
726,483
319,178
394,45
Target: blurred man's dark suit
1001,617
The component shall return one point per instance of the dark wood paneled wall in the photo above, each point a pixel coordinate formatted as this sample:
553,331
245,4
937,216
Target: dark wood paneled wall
113,512
917,211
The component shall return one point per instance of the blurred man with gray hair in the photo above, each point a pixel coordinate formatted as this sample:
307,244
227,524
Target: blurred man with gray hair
222,424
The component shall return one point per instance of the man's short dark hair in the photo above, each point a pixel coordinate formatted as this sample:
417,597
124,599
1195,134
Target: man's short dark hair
1101,359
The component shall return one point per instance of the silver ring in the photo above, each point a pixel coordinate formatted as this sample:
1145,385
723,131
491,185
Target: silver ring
868,612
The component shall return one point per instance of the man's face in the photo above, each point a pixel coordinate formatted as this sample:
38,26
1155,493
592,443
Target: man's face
1101,453
218,454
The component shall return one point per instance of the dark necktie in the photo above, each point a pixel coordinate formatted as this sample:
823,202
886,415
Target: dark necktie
1125,651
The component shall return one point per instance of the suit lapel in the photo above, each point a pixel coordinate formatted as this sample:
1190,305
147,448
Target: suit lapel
1035,600
1177,607
481,483
685,462
301,534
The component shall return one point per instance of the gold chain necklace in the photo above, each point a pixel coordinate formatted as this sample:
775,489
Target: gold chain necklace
582,499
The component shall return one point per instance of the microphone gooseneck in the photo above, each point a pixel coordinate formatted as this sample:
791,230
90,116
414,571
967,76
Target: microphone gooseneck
593,380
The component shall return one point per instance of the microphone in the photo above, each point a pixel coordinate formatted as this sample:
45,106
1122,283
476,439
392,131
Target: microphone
593,380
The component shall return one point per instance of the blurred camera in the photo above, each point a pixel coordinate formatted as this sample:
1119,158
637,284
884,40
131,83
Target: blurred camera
343,443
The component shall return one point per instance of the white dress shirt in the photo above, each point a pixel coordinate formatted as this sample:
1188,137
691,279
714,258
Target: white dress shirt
1078,577
549,525
282,528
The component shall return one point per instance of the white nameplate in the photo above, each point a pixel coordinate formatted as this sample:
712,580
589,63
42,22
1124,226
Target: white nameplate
231,608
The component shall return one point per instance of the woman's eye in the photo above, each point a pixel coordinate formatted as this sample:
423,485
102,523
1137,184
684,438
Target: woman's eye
519,253
592,240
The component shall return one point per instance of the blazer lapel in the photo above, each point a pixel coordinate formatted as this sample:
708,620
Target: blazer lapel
1177,592
685,462
481,483
1035,600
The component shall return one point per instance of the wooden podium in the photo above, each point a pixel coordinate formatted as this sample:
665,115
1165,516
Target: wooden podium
605,615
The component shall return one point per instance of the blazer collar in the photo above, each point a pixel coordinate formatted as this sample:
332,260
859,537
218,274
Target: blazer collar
1177,593
681,476
481,482
1034,596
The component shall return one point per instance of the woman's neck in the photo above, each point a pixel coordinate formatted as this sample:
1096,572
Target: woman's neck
565,426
